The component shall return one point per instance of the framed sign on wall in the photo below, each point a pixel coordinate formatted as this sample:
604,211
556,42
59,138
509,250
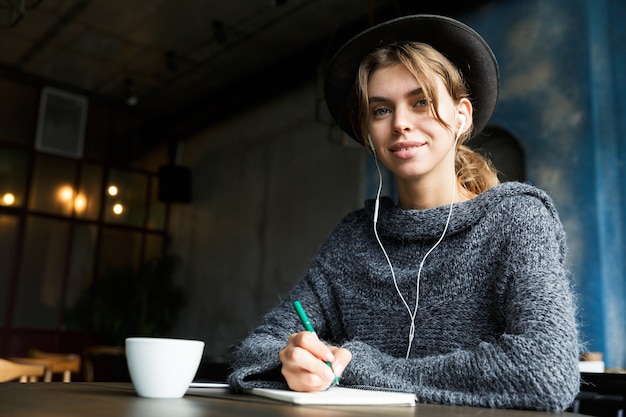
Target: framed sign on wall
61,123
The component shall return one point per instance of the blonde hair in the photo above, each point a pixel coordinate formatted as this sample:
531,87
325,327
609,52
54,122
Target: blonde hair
475,173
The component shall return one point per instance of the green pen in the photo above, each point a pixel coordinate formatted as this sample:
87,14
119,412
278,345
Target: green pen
307,325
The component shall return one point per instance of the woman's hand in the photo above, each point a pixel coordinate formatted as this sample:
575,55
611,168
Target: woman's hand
304,362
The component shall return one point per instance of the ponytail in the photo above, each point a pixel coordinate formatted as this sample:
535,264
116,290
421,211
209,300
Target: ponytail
475,173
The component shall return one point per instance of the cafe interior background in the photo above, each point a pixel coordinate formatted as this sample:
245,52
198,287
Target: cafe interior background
170,168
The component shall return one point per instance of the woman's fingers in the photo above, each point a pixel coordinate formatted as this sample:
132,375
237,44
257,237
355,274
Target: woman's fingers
342,359
304,360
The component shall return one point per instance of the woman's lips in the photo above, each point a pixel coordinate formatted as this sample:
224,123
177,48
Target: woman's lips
406,149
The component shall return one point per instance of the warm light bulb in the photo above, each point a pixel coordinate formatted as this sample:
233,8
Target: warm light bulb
112,190
118,208
80,203
8,199
66,193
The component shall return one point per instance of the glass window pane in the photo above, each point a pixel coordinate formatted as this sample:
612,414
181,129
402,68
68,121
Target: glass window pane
80,276
126,198
8,238
52,190
154,246
119,248
40,284
13,172
156,215
88,198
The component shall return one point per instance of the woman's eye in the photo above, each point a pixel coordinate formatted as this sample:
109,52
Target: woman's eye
421,103
380,111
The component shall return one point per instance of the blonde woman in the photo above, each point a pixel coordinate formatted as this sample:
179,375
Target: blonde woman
457,291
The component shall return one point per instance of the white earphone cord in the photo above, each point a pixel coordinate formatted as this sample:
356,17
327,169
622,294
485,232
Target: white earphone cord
412,314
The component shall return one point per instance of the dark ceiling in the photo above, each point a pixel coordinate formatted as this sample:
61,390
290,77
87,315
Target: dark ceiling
184,61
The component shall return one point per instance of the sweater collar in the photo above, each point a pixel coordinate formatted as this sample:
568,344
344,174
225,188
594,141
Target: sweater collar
414,224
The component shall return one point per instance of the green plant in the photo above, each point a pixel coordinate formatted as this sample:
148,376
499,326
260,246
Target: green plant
128,301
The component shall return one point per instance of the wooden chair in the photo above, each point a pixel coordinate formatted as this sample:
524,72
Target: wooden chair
47,365
92,354
10,371
53,363
64,363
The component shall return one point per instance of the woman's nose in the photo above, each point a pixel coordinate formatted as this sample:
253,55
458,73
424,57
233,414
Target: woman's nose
402,120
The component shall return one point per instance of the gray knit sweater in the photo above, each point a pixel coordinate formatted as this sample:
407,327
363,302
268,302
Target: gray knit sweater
496,322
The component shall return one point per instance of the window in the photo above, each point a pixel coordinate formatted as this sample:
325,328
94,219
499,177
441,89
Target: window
79,219
8,236
13,176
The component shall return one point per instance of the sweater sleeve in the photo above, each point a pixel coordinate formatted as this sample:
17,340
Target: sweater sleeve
255,361
533,364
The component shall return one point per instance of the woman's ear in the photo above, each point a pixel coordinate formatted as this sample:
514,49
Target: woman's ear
464,116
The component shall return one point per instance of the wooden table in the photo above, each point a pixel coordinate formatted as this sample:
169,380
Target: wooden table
80,399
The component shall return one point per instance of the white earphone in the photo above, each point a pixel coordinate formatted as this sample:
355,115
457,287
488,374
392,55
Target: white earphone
369,137
411,311
462,119
380,181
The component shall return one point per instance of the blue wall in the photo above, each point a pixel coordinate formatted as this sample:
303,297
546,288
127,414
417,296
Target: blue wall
563,96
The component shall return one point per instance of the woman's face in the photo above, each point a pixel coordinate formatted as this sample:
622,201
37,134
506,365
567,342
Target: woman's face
408,139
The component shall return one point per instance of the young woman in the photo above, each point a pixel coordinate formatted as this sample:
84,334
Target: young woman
458,291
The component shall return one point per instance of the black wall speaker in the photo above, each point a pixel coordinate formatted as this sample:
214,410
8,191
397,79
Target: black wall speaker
175,184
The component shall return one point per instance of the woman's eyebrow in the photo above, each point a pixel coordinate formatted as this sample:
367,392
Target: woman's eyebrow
380,99
377,99
416,92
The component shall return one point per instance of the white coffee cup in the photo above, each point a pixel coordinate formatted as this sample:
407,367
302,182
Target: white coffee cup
162,367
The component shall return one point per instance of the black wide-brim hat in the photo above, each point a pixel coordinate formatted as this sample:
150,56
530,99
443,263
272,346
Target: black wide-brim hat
462,45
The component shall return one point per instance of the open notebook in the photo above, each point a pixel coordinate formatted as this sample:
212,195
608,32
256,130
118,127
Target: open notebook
338,395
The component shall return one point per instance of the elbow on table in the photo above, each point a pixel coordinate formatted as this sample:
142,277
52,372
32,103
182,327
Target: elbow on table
553,391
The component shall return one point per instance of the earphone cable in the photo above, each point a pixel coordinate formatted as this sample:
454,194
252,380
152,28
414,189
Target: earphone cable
412,314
